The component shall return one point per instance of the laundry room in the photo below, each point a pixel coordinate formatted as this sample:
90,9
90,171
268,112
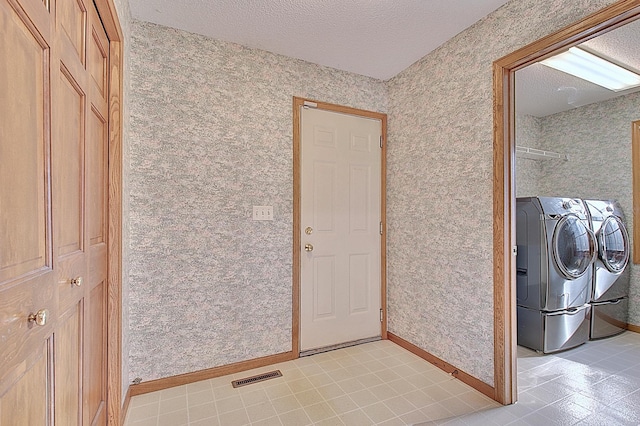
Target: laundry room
574,145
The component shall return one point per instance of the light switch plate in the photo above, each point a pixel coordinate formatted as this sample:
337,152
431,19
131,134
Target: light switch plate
262,212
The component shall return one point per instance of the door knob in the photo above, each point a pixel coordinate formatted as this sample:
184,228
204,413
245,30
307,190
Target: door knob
40,317
308,247
76,281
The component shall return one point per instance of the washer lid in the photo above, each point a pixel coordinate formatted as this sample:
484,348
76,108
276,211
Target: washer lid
613,244
574,246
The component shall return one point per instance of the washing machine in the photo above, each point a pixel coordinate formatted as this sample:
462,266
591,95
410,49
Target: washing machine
609,299
555,253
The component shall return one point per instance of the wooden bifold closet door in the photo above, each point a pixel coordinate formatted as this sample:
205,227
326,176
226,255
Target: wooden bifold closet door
53,213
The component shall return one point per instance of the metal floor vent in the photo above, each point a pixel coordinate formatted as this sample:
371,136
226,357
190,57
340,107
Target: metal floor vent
256,379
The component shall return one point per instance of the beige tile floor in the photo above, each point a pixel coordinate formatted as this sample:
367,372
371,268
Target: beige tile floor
380,383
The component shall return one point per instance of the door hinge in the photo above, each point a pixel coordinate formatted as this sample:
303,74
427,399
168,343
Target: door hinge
308,104
381,315
515,250
380,228
380,141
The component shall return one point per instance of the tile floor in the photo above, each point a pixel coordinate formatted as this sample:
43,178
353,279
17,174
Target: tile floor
380,383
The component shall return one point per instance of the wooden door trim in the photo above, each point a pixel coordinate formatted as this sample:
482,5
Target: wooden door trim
109,17
115,415
605,20
297,210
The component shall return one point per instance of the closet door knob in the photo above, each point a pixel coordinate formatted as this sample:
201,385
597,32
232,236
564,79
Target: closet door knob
308,247
76,281
40,317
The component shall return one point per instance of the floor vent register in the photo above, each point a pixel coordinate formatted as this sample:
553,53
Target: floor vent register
255,379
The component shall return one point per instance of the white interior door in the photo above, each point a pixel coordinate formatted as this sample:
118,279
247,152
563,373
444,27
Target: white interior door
340,228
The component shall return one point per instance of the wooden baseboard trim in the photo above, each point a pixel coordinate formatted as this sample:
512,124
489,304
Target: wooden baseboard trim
634,328
448,368
125,406
210,373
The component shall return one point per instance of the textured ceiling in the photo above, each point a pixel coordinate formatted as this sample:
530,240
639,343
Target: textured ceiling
542,91
380,38
376,38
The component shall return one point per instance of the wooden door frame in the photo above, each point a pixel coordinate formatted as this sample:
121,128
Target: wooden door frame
298,103
109,17
505,340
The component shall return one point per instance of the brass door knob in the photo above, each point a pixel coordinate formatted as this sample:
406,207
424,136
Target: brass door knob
308,247
76,281
40,317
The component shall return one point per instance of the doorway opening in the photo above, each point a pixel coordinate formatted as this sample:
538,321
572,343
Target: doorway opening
504,69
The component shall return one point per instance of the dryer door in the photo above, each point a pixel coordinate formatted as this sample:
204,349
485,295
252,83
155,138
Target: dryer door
574,246
613,244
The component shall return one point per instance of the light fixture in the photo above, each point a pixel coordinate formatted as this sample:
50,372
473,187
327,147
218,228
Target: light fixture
587,66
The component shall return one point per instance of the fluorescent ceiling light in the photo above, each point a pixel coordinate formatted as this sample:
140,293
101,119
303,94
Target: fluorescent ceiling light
586,66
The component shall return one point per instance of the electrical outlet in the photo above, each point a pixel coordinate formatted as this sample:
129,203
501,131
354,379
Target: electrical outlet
262,212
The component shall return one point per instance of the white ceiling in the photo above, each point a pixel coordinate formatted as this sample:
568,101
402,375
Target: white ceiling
375,38
380,38
542,91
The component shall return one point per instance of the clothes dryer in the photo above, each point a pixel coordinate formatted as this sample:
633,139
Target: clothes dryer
555,253
609,298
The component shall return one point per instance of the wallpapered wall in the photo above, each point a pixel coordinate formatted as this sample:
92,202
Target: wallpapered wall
211,136
597,139
440,284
